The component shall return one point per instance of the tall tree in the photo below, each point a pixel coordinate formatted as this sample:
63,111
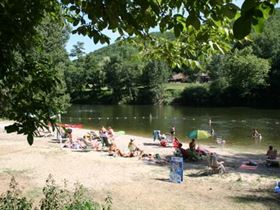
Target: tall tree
238,75
155,75
29,79
267,43
122,79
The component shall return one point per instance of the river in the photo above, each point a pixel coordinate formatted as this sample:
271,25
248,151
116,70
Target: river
232,124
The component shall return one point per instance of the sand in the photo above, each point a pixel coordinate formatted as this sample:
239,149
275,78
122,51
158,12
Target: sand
134,184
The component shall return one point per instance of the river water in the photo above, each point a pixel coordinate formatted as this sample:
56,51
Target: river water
232,124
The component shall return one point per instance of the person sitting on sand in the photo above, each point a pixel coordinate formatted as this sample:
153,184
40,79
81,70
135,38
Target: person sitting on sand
163,141
104,137
75,144
215,165
184,153
172,130
176,143
187,154
192,145
113,149
70,140
111,132
92,135
133,149
95,144
271,153
272,157
91,142
194,153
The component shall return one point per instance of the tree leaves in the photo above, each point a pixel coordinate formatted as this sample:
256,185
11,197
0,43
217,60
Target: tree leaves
193,20
31,67
30,138
12,128
242,27
137,17
253,13
230,10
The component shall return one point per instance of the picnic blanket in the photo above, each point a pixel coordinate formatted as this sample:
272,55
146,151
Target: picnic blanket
248,165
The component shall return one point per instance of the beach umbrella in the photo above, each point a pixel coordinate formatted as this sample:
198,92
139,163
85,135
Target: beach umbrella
198,134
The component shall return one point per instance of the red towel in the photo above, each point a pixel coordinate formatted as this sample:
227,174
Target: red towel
246,167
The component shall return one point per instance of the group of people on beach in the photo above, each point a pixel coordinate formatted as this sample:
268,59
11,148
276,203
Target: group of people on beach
104,140
192,153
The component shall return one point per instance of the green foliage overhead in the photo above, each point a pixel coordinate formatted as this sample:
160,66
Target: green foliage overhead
199,24
137,17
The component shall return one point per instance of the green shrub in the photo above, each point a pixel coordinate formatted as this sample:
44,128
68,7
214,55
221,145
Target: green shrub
13,200
55,198
195,95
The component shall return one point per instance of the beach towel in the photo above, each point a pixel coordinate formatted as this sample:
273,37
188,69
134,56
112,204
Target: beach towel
163,143
248,166
120,132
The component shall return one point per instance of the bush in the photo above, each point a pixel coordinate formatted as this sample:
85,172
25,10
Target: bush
12,199
195,95
55,198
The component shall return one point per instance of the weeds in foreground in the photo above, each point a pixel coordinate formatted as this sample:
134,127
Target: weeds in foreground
13,200
55,198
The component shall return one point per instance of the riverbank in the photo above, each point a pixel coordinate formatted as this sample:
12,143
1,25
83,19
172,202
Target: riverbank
133,183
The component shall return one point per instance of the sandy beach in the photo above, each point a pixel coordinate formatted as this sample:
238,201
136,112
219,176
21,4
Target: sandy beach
133,183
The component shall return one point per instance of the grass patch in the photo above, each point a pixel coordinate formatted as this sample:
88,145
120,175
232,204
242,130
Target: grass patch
176,86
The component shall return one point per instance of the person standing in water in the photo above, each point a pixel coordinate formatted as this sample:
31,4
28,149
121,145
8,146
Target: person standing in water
172,130
210,123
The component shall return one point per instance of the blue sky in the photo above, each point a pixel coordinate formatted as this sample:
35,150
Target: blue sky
90,46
